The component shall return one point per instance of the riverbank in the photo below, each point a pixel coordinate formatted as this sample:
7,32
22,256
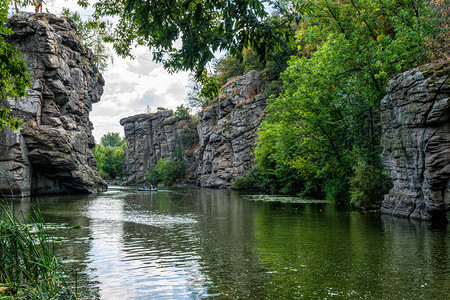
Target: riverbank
29,268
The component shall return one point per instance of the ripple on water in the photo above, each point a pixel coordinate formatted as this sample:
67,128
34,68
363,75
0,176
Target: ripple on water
110,213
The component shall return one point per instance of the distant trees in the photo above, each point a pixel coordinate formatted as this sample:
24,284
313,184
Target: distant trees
112,139
109,155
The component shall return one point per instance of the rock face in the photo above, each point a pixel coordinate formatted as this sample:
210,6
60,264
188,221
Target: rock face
227,131
415,116
153,136
51,153
217,149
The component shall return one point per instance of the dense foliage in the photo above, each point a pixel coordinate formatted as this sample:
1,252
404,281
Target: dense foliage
109,155
167,171
368,186
14,78
327,118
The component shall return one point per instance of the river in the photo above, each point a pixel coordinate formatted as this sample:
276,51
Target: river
186,243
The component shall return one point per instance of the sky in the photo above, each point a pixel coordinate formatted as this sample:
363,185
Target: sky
130,84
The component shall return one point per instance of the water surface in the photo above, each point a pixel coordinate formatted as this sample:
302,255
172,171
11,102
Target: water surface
184,243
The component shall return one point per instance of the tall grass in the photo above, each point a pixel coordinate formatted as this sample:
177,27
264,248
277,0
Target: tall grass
27,261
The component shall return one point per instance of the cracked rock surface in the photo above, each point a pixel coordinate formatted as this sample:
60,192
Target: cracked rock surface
415,117
51,153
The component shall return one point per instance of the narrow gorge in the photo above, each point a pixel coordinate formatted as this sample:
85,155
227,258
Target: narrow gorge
51,153
217,149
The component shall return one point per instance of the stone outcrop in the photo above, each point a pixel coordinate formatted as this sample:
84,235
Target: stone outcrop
51,153
415,116
227,131
150,137
217,149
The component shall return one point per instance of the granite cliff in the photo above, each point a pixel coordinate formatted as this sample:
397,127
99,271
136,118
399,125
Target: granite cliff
217,148
153,136
227,131
51,153
415,116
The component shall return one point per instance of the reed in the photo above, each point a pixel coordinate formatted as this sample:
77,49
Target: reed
27,261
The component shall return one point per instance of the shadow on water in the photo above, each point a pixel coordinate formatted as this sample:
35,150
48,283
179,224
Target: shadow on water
188,243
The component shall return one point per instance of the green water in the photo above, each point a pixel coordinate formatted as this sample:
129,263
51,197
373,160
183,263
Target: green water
185,243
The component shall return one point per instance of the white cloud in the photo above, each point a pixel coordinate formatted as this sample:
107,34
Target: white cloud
131,85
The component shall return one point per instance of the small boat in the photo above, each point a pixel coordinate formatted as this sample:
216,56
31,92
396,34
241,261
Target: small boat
147,190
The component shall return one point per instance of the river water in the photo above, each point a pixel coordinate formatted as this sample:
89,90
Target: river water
184,243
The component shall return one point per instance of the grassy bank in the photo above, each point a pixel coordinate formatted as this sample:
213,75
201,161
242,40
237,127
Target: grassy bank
28,266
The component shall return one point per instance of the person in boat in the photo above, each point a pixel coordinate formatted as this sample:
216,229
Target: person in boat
151,186
144,187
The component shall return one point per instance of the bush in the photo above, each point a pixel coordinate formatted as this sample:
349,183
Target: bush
169,171
336,190
251,181
368,186
152,177
166,170
182,112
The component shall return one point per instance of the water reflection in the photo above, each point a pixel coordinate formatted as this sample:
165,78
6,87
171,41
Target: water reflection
186,243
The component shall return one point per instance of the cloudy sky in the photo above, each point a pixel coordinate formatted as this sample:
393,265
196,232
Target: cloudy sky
131,84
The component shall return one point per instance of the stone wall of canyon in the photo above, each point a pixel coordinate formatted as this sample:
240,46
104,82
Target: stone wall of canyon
415,116
218,148
51,153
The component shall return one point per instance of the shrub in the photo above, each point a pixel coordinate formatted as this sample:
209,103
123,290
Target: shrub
251,181
182,112
152,177
368,186
167,171
336,190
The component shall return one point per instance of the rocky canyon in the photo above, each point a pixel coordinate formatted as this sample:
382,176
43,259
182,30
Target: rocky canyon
217,148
